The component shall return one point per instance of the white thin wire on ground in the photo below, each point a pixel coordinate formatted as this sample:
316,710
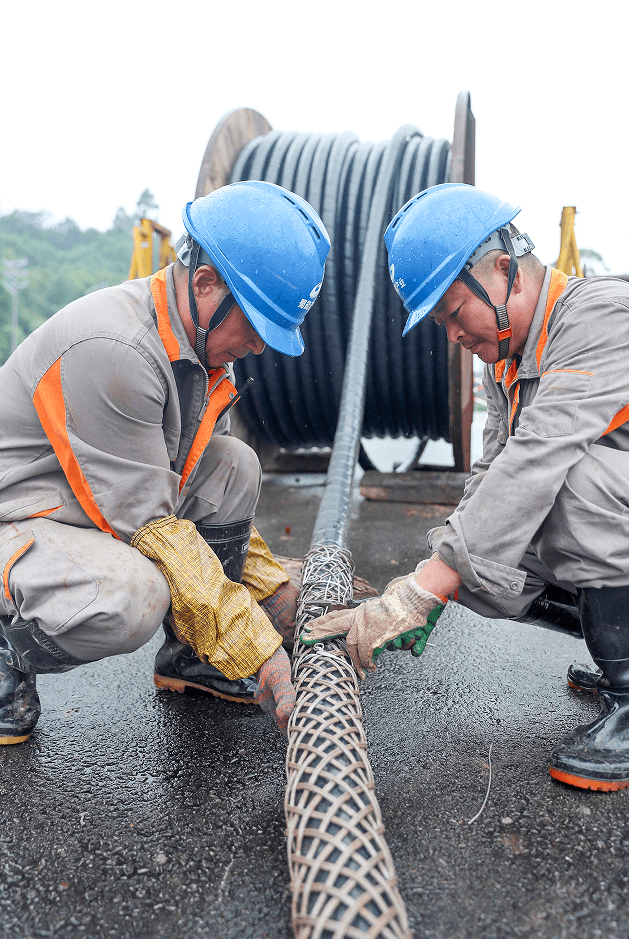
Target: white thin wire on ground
478,814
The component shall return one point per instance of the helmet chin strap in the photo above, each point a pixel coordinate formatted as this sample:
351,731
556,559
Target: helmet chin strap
504,327
217,317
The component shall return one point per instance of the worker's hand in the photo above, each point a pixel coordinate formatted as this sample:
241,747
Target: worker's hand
281,609
403,617
275,693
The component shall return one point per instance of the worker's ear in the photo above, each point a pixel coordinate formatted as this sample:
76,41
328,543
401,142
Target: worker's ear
501,267
206,279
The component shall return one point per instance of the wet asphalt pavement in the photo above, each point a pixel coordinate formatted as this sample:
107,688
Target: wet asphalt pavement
133,813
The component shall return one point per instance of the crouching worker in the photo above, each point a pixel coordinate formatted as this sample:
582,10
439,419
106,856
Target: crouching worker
541,534
124,503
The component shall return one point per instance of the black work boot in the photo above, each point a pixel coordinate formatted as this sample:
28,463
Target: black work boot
25,651
19,701
596,755
556,609
177,667
583,677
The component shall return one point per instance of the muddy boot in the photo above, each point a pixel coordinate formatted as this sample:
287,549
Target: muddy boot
584,677
596,755
177,667
19,701
25,651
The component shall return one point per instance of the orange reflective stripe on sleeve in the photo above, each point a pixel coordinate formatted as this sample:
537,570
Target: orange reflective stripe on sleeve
558,282
158,291
7,567
50,406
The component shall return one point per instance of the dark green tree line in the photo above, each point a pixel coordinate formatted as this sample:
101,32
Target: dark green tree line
64,263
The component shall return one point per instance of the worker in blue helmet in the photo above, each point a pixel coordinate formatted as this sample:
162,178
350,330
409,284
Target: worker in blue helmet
124,502
541,534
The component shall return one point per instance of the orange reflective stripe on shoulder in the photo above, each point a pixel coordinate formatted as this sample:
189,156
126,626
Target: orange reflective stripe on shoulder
219,398
50,406
166,334
7,567
558,282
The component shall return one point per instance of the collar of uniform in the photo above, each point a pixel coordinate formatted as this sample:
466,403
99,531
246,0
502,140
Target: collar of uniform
528,365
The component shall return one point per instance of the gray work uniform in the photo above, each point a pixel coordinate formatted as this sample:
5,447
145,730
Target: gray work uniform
548,502
105,426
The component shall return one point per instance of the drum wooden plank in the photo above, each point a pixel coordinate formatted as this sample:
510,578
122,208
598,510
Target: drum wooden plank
460,360
230,135
420,486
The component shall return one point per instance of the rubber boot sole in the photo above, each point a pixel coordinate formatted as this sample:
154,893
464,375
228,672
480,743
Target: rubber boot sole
176,684
582,782
581,688
5,741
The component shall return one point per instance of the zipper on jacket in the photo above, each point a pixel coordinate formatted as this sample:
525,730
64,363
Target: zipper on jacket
208,392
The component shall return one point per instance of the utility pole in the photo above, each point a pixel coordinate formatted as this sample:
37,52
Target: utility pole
15,280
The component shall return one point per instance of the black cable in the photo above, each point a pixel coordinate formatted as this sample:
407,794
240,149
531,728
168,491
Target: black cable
294,402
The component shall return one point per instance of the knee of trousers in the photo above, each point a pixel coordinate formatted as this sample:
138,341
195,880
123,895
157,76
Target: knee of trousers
585,537
242,460
93,595
127,615
226,485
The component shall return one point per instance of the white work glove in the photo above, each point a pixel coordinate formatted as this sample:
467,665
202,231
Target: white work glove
403,617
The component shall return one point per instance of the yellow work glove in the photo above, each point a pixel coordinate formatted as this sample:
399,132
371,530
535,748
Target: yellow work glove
218,618
262,574
402,617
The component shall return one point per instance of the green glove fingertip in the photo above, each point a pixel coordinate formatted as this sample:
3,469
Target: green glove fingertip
311,641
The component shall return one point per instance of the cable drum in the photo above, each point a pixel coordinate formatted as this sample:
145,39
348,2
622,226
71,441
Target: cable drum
294,402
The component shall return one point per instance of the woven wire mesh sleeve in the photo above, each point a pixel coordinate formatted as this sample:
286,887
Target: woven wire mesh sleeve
342,875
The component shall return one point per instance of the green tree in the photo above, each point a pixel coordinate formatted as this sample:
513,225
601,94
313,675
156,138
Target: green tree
64,262
147,207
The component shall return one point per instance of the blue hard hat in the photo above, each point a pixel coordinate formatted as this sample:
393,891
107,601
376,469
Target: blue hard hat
431,238
270,247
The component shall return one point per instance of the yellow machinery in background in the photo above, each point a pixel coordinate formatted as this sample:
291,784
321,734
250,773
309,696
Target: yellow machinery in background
569,260
142,257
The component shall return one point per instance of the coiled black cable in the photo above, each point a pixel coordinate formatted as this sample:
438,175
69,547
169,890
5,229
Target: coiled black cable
294,402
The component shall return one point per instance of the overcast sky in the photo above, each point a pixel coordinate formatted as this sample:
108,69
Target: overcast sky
100,101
